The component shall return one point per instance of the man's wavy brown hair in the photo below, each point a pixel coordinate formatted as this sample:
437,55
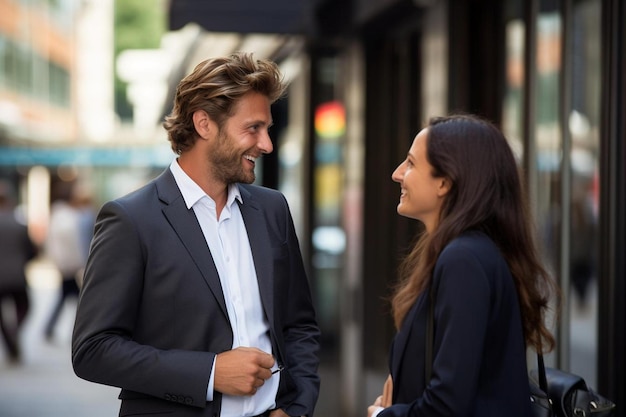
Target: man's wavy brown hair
215,86
486,195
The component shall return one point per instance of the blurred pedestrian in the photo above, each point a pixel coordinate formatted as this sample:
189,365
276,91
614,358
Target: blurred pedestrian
83,201
65,246
477,265
16,250
195,299
583,242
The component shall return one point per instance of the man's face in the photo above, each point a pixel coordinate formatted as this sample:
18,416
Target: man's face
243,138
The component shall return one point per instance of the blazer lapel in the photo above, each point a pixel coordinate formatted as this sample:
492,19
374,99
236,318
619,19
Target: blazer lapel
261,247
403,336
185,223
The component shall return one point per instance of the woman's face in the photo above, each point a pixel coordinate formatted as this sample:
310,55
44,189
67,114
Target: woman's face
421,194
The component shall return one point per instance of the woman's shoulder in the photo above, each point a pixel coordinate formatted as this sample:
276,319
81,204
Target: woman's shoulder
469,260
474,243
474,249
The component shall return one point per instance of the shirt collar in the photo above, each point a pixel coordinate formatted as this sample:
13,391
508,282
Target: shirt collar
192,193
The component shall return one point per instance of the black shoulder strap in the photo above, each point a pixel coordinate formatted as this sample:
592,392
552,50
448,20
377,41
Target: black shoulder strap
541,372
430,330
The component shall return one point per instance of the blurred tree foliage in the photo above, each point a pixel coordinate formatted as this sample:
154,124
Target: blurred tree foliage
139,24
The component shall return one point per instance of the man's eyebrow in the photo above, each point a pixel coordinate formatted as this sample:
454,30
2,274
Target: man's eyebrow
260,122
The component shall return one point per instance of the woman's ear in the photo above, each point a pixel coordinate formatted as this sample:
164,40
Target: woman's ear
445,184
202,123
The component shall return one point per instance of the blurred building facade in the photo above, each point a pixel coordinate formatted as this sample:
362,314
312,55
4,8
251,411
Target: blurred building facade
57,118
37,108
38,56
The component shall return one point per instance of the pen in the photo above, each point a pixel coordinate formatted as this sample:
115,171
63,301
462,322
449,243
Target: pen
280,368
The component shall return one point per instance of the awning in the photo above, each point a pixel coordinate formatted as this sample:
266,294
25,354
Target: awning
243,16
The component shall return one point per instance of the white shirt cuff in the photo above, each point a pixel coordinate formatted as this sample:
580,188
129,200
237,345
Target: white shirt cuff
377,411
209,390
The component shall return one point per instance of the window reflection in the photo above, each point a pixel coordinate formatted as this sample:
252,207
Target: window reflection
565,202
547,135
514,90
584,59
328,172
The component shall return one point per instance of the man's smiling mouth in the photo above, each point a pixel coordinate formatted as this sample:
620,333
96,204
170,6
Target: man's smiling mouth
250,158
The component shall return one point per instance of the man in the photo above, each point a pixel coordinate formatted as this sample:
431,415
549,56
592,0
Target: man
195,300
16,250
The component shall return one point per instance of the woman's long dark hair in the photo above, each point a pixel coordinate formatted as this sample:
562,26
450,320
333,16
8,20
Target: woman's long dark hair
486,195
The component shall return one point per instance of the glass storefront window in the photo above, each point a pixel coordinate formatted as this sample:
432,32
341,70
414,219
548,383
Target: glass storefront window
327,233
547,137
583,57
513,105
545,144
562,154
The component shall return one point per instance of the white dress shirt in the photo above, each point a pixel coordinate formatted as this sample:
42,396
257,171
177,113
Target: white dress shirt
228,242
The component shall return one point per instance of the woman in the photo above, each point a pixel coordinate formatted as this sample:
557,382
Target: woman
477,256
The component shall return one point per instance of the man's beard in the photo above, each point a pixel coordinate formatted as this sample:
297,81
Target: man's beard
227,163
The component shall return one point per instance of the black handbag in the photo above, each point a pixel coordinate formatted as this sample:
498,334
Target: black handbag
555,393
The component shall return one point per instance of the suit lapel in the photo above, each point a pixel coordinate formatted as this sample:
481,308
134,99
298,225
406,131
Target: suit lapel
403,337
185,223
260,244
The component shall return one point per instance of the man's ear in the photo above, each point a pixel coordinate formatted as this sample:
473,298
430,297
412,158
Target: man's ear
202,123
445,184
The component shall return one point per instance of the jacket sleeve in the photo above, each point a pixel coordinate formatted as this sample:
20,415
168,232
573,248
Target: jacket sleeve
104,349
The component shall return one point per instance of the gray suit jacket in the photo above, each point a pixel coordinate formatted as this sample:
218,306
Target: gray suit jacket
152,315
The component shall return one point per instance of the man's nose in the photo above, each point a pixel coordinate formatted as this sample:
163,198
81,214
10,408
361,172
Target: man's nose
265,143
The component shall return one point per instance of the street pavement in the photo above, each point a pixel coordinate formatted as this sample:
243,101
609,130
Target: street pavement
44,384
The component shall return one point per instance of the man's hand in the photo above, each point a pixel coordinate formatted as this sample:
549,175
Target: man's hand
242,371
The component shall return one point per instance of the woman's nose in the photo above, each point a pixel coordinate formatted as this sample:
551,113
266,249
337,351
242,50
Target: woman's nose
396,175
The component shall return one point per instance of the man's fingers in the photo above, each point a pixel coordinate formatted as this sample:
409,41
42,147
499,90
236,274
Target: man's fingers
263,359
242,371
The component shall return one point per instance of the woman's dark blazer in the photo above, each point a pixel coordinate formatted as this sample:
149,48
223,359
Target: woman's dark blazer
152,315
479,357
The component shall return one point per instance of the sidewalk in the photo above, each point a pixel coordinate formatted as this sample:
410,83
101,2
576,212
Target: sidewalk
44,384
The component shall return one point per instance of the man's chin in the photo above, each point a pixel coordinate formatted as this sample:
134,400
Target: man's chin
248,179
